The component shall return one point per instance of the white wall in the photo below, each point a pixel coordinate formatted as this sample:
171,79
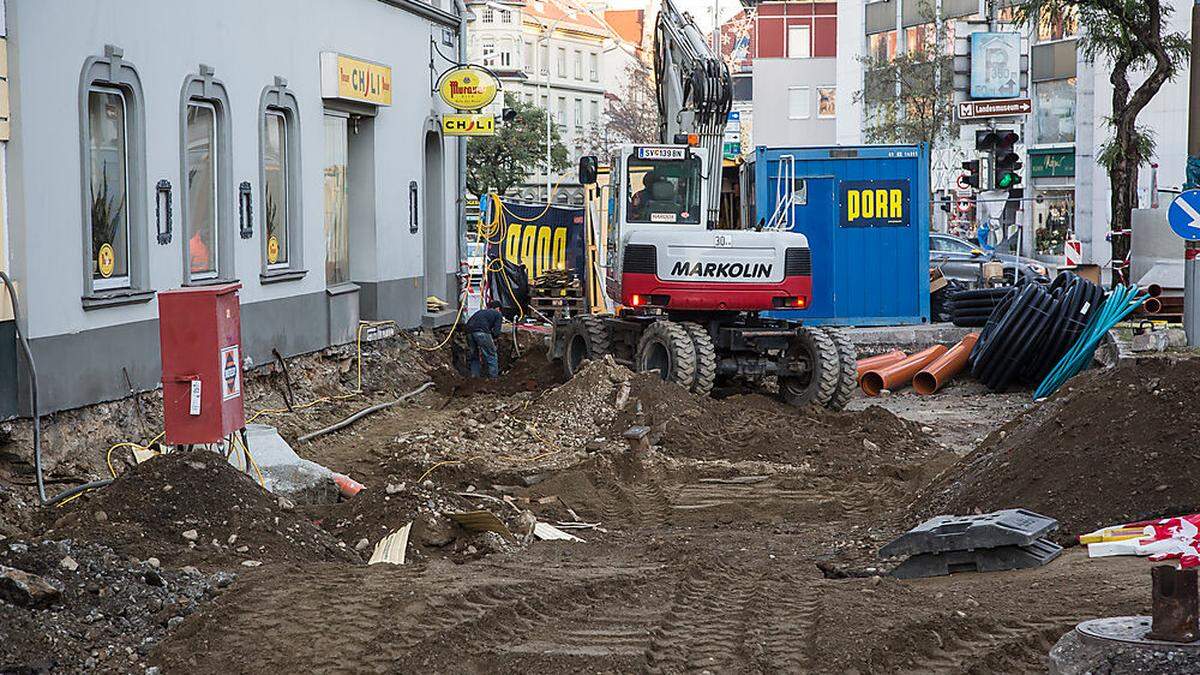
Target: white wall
247,43
774,124
851,46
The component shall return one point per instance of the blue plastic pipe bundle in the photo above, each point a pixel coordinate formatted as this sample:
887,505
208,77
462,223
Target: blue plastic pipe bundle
1121,302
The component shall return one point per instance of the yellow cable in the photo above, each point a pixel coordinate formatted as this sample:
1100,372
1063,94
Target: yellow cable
426,474
250,456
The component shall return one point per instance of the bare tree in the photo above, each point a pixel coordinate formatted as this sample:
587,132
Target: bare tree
909,97
630,115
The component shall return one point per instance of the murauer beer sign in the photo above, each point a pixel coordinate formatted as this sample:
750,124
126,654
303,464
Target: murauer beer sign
467,88
353,79
873,203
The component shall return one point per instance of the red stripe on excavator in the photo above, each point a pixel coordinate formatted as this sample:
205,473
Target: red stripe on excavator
716,295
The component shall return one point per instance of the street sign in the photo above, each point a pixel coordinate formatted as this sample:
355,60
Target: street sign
460,124
964,204
1184,215
962,183
995,65
973,110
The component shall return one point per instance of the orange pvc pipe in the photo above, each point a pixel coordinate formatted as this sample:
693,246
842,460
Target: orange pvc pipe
931,378
879,361
1152,305
899,374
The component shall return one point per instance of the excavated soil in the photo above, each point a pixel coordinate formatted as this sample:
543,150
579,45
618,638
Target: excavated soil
193,508
1116,445
850,445
110,614
744,540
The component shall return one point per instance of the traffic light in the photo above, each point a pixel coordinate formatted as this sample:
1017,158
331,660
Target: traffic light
999,144
971,177
1008,162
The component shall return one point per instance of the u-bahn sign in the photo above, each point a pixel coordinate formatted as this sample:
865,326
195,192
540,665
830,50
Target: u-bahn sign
1005,107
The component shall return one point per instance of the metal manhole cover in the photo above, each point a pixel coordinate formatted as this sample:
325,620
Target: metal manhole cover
1129,630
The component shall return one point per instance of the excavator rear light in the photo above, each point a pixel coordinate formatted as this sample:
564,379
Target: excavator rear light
636,300
795,302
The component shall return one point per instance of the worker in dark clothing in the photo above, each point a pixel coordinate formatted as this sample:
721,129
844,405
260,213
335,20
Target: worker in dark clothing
483,328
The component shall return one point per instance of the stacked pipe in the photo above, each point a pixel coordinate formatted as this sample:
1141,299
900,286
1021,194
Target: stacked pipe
971,308
1163,303
1032,328
899,373
941,309
931,378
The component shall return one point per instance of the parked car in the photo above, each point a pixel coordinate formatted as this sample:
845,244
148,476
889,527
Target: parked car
962,260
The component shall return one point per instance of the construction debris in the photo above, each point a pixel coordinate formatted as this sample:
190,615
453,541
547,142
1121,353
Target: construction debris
392,548
547,532
1004,540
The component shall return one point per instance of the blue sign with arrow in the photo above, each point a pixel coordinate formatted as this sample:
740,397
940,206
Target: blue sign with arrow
1184,215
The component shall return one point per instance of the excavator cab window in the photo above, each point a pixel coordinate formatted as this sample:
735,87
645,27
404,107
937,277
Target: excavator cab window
664,191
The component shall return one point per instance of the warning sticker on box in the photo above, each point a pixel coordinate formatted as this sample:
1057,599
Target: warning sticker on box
231,373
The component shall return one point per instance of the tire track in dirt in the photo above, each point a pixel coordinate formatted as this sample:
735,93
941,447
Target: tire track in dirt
708,623
788,625
983,647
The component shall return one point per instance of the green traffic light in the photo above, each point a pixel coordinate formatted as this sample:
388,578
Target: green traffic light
1007,180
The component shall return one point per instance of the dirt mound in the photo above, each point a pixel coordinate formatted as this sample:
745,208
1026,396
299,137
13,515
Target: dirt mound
1114,446
755,427
109,615
193,508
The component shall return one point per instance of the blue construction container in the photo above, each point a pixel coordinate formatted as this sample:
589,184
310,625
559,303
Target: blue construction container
865,210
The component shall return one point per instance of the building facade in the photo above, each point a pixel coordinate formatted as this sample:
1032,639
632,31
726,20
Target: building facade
1066,189
159,145
795,102
548,53
782,56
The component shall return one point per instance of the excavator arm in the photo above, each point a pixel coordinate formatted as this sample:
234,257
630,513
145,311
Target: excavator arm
695,92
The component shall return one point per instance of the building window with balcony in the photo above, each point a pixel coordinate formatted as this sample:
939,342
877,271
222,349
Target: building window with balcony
529,64
487,15
1062,24
799,42
882,46
506,59
488,52
594,107
505,16
578,65
578,114
560,115
562,61
544,66
594,67
112,138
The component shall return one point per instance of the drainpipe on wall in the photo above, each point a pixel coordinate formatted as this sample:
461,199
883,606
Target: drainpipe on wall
461,179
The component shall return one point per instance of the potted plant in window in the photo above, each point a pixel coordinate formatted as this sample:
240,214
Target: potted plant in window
106,215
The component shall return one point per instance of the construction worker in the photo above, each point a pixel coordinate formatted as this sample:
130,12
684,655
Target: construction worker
483,328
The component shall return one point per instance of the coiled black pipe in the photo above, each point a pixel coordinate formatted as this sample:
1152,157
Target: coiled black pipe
1032,328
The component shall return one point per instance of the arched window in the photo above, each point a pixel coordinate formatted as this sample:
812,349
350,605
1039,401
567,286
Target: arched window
112,135
206,185
280,206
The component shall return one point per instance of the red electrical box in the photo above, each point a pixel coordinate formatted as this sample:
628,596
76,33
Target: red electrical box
200,333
